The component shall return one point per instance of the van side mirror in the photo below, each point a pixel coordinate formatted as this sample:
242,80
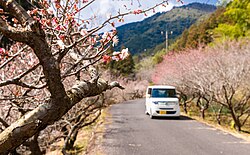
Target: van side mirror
148,96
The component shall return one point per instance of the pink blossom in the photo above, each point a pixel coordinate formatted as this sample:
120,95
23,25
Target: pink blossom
137,11
121,20
62,37
106,59
113,24
58,6
15,20
90,47
61,44
120,55
116,57
105,35
50,11
59,27
124,54
54,20
115,40
45,3
76,8
34,12
116,53
83,32
2,51
92,40
153,10
36,18
43,12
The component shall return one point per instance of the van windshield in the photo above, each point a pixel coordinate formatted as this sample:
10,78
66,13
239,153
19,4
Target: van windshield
161,93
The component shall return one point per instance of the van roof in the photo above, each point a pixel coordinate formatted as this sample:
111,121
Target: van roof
162,86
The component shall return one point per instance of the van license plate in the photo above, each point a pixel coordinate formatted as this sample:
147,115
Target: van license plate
163,112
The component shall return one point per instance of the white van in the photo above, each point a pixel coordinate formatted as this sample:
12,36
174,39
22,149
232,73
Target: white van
162,101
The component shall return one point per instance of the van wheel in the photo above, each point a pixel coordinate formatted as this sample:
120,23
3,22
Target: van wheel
150,115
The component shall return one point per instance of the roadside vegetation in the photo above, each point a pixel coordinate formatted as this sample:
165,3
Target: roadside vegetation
215,79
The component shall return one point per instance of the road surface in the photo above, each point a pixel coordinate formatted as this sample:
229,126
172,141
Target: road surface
131,132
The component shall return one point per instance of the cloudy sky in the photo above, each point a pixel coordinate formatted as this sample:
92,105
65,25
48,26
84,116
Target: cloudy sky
102,9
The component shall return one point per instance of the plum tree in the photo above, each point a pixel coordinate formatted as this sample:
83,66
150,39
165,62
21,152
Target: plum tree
50,65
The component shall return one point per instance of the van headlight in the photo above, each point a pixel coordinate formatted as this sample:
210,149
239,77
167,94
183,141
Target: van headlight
155,102
173,103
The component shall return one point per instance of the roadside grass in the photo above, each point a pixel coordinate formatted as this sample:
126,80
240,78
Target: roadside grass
88,139
94,145
226,122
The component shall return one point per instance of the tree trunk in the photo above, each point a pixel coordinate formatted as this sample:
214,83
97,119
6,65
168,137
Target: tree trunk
48,113
218,115
33,145
14,152
237,124
185,107
202,112
71,141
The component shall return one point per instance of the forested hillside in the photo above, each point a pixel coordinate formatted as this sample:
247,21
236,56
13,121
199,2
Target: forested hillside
232,22
150,32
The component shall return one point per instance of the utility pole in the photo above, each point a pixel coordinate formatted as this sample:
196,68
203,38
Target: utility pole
166,41
171,32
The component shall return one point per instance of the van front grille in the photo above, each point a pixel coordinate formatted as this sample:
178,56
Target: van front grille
166,108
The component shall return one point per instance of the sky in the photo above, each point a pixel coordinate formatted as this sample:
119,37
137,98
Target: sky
102,9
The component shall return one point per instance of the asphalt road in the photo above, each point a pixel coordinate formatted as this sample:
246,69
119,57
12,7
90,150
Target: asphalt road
131,132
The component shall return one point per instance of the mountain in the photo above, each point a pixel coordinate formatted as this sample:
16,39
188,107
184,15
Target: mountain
146,34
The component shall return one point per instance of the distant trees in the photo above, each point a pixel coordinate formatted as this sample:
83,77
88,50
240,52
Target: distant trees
236,20
229,21
158,56
200,33
216,76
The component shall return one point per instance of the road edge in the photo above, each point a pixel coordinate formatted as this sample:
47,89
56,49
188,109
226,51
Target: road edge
218,127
